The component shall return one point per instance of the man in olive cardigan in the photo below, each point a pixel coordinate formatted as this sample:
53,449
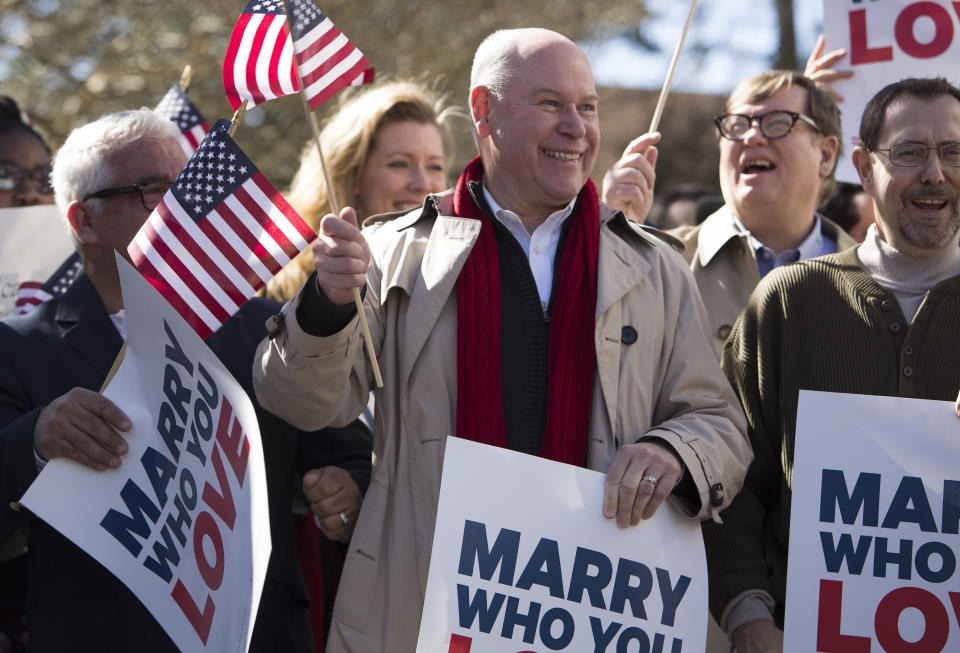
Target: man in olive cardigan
880,319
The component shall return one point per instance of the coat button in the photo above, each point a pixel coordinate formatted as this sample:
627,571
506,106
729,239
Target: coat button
724,332
886,305
628,335
895,327
716,495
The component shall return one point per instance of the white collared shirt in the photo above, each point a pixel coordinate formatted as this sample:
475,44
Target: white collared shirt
540,246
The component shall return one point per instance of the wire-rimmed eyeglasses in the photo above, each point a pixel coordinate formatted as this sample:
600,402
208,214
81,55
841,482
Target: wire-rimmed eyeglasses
911,155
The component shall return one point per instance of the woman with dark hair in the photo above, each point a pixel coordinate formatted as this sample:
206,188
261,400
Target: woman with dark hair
24,160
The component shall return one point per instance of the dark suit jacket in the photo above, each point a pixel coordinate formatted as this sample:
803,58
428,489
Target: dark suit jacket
74,603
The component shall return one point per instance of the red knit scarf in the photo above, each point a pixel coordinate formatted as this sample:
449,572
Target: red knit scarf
571,356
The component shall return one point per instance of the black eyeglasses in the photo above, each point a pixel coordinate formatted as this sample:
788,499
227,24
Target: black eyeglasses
773,124
911,155
151,192
12,175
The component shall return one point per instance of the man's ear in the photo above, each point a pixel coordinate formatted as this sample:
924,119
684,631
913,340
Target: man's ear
80,221
828,155
863,162
480,109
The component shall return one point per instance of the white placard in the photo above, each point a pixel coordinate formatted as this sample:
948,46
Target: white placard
34,241
523,560
873,526
183,522
887,41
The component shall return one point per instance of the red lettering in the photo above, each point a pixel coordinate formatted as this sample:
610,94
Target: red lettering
206,527
199,620
829,638
860,52
942,37
459,644
235,444
887,621
955,600
221,502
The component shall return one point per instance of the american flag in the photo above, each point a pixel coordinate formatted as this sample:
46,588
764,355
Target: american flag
176,106
31,294
261,59
219,234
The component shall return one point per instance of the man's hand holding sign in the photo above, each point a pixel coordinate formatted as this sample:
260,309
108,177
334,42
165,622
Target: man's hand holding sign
82,425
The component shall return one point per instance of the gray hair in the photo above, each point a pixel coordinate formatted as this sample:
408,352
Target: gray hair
82,166
491,63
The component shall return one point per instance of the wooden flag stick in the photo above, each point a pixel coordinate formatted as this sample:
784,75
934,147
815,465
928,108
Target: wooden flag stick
237,119
665,91
335,209
185,78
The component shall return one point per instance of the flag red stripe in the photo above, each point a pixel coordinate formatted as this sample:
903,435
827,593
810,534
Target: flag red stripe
150,273
283,206
230,60
328,91
259,214
314,48
213,270
248,239
256,51
274,69
185,273
237,261
328,64
35,285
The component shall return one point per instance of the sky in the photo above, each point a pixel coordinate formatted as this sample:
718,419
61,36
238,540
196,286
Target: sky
742,35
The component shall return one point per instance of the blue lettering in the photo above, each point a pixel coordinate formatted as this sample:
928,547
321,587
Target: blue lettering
503,554
543,569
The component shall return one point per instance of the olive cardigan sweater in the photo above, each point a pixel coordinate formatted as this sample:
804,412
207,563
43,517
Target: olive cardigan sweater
822,324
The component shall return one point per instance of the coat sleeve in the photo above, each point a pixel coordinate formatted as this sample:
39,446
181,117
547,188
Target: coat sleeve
737,556
696,411
17,465
312,381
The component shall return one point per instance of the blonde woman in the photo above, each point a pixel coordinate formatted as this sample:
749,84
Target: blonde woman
386,148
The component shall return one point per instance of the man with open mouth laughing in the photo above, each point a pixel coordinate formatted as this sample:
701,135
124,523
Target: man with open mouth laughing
879,319
779,143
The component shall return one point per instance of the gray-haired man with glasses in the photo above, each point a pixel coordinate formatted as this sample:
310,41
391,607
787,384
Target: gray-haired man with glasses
779,143
879,319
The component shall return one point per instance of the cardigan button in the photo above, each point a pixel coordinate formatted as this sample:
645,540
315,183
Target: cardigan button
628,335
886,305
724,332
895,327
908,371
908,351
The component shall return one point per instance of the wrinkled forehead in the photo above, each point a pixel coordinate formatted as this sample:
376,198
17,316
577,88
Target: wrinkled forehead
787,98
550,64
923,120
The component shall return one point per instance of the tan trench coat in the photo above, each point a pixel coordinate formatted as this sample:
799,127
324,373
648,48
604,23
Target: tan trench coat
667,384
725,267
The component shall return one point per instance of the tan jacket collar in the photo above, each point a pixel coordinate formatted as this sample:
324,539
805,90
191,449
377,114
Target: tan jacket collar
715,232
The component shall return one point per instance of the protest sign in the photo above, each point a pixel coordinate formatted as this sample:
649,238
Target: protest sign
523,560
873,526
34,241
887,40
189,500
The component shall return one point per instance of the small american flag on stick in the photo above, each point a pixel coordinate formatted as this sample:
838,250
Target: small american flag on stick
176,106
219,234
31,294
261,58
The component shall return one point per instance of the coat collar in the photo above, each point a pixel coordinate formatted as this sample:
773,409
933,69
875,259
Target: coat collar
715,232
85,327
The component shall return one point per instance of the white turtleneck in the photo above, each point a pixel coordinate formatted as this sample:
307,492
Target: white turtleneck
908,277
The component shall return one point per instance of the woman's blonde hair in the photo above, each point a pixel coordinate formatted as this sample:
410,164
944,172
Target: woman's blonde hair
347,140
